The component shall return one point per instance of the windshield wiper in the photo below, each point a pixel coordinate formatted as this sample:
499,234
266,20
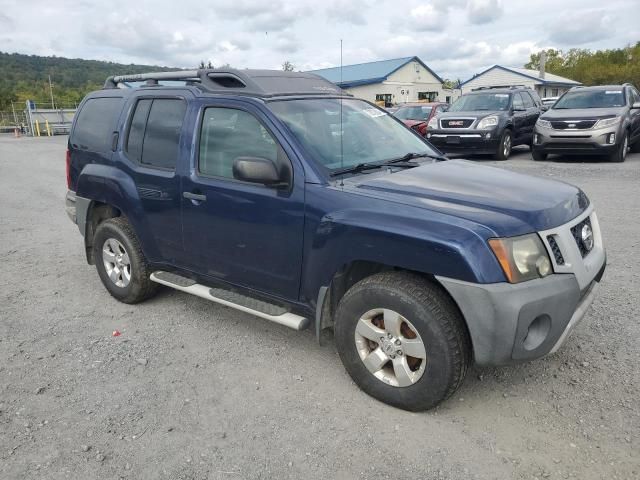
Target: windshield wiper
361,167
412,155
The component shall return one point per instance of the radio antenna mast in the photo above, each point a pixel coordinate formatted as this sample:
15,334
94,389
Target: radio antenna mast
341,128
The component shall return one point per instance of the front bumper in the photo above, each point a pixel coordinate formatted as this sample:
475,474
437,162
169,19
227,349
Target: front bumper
511,323
521,322
602,141
464,140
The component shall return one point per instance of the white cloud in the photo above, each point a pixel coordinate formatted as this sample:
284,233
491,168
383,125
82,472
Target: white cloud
484,11
426,18
576,28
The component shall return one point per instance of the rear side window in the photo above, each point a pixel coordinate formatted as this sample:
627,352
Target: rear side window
96,123
526,98
154,132
517,101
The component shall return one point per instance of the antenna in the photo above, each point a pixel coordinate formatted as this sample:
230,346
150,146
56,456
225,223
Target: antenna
341,128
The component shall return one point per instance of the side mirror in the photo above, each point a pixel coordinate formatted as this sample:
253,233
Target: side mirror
256,170
544,108
635,105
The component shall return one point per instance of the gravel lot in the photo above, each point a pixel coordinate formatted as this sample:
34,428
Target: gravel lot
193,390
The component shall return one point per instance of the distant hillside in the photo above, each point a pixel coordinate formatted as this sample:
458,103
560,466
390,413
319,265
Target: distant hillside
25,77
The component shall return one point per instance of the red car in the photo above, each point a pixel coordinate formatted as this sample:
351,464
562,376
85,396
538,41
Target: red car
417,115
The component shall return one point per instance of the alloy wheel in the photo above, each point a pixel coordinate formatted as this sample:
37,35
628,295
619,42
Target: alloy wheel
116,262
390,347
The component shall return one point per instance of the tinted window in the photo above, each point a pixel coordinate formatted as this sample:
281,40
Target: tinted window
96,123
526,98
517,102
481,101
635,96
162,133
227,134
591,99
136,130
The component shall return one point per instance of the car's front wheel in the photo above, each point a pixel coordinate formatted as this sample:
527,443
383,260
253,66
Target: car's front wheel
121,265
402,340
538,156
505,145
620,153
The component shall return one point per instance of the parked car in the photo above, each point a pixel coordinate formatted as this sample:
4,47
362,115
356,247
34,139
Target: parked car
489,120
235,188
603,120
417,115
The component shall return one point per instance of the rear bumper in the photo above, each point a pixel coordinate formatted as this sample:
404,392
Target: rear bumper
511,323
70,206
470,141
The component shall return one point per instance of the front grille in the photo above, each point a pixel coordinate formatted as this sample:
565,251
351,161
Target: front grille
571,146
557,254
572,124
576,231
456,122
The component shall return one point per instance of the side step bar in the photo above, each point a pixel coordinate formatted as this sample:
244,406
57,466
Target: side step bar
273,313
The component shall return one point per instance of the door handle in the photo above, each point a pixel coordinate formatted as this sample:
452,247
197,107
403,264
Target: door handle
195,196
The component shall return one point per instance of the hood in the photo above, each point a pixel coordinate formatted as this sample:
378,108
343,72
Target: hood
575,113
476,114
413,123
507,203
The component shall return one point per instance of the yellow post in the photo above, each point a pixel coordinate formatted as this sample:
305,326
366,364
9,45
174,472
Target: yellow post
37,128
46,123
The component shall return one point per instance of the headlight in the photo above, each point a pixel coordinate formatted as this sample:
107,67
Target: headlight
521,258
487,123
543,123
607,122
433,123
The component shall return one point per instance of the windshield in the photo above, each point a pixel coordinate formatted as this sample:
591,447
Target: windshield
591,99
368,134
481,101
413,113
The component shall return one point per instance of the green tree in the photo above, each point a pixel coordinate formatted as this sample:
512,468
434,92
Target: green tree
287,66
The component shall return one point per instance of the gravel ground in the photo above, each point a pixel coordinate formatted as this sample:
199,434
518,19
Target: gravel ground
193,390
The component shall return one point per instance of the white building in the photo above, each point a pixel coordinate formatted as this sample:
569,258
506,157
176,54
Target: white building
546,84
391,82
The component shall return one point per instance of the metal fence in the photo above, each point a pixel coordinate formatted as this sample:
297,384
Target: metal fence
38,121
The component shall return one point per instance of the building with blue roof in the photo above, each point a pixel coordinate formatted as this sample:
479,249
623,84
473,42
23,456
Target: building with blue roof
390,82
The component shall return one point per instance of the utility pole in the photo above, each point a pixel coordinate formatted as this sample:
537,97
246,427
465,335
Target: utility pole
53,106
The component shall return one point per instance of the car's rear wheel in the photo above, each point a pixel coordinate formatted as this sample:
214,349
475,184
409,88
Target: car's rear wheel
620,153
538,156
402,340
504,148
121,265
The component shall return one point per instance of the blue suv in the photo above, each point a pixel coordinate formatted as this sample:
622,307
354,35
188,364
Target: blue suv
277,194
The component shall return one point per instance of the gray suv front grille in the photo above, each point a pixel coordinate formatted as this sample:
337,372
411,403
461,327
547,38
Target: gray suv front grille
572,124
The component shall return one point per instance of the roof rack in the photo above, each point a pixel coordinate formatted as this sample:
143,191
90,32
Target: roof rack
510,87
260,83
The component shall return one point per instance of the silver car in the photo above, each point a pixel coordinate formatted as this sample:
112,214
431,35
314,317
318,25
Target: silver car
602,120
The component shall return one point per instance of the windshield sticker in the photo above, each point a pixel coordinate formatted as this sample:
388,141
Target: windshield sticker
612,92
373,112
502,95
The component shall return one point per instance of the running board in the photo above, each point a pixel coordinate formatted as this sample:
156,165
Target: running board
268,311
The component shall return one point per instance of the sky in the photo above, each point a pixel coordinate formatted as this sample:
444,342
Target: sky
456,38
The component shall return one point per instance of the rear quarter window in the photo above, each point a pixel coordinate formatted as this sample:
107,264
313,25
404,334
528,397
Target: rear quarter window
96,123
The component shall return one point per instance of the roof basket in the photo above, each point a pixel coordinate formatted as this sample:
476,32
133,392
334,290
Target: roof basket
511,87
260,83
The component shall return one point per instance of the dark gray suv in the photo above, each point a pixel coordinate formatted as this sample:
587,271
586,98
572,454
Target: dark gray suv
603,120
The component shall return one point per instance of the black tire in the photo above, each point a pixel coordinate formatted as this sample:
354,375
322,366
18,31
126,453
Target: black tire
504,149
620,153
635,147
436,319
538,156
139,287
